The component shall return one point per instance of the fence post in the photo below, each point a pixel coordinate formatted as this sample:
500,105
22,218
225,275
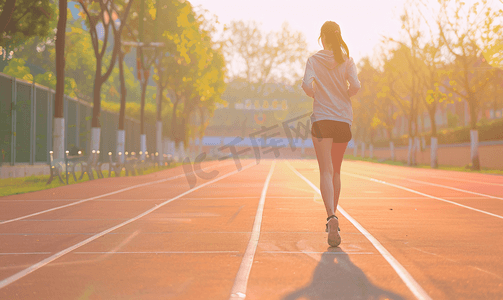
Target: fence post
66,104
13,125
77,124
434,152
33,119
392,150
49,125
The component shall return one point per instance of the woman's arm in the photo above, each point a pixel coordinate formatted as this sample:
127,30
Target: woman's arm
308,88
354,83
309,79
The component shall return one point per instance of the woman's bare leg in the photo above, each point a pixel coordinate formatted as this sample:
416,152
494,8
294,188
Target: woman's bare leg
337,156
322,147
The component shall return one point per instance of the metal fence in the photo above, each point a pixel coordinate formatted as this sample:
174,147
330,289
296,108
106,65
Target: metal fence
26,114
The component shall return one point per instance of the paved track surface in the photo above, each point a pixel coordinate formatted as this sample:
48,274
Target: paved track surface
257,233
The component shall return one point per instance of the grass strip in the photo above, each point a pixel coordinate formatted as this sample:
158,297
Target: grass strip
404,164
422,166
21,185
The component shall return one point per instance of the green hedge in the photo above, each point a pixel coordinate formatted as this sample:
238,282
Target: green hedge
488,131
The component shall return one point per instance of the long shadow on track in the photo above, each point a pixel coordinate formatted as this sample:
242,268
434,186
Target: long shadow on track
336,277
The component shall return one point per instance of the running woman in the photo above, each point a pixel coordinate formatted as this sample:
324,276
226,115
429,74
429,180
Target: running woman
326,79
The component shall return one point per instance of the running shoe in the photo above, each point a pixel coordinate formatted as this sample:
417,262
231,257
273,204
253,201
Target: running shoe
334,238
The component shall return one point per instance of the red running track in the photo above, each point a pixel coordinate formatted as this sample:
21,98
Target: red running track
257,233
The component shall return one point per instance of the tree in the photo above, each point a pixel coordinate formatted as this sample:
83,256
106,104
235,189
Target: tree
59,120
23,19
188,64
365,108
466,38
105,14
386,112
278,56
403,87
408,51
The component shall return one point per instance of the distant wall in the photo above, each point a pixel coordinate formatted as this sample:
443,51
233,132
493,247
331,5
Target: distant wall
490,155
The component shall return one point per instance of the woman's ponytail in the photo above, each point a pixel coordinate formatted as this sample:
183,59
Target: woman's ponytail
333,37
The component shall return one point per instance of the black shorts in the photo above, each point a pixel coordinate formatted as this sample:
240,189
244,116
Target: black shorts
339,131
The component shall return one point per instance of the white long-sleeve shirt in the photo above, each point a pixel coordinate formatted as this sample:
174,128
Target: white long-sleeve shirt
327,82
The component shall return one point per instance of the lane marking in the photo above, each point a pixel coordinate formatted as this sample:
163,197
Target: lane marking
422,194
96,197
464,180
5,282
315,252
71,220
25,253
439,185
453,188
458,262
409,281
37,200
171,232
158,252
241,282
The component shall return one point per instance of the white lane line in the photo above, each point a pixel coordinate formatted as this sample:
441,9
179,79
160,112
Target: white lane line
96,197
5,282
409,281
440,185
315,252
422,194
159,252
464,180
26,253
37,200
221,198
241,282
71,220
455,179
453,188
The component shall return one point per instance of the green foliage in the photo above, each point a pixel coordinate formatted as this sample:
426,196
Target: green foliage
29,18
193,66
21,185
400,163
452,120
48,79
17,68
490,131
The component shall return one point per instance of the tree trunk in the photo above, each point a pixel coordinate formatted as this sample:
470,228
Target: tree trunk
58,135
411,131
409,155
142,106
122,112
473,113
121,133
160,90
434,152
474,149
60,60
8,10
158,129
201,130
183,131
174,128
431,113
95,123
